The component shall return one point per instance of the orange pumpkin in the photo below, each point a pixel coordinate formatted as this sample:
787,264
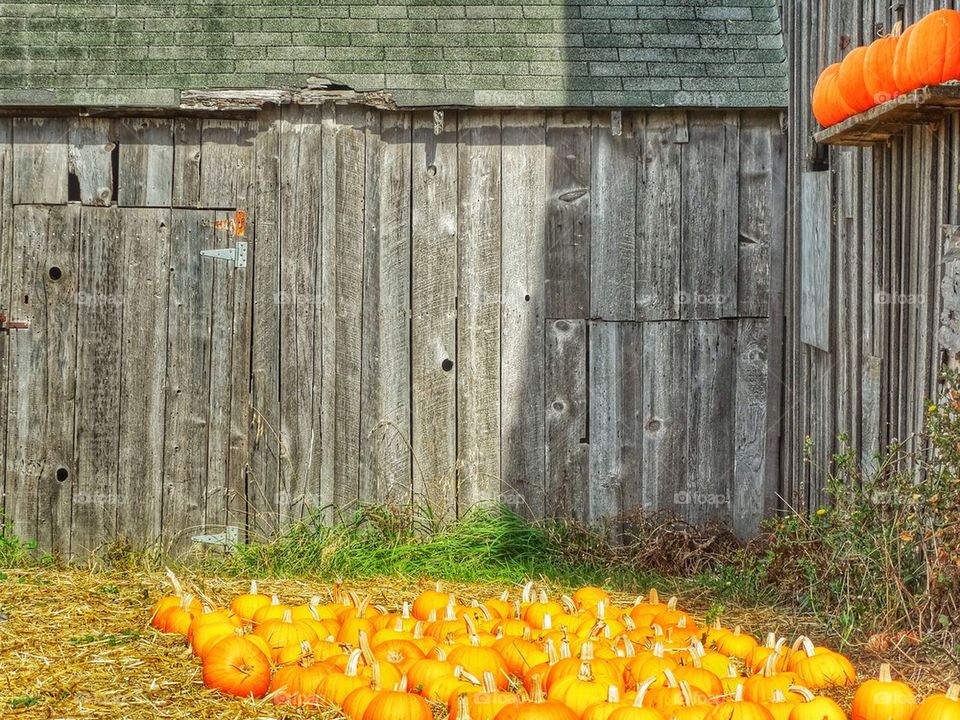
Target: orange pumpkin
878,79
393,705
247,604
829,107
813,707
235,666
940,707
850,82
298,684
883,698
927,53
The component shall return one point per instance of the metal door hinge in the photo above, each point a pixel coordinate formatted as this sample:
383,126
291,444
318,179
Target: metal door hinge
237,254
228,538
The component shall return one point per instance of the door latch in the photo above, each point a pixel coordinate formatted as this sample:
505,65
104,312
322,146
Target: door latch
229,538
8,325
237,254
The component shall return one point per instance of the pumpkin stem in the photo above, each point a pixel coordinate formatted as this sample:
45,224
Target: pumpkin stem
527,589
463,707
489,682
798,643
885,674
732,671
671,678
505,596
657,650
686,694
738,695
653,597
613,694
569,604
628,622
551,650
175,582
808,647
364,642
586,672
536,689
548,622
806,694
953,692
275,600
777,696
628,649
565,649
586,650
642,691
376,680
353,663
695,658
897,30
770,666
672,603
287,616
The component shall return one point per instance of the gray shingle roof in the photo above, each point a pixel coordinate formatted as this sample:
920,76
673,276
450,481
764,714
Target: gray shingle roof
727,53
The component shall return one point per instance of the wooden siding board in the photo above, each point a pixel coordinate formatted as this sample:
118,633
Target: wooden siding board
6,282
187,135
522,312
659,217
749,487
710,208
263,465
434,298
568,228
613,222
40,160
90,159
478,310
42,377
664,402
815,265
385,459
143,355
616,359
189,352
298,302
145,171
99,323
760,214
349,219
707,494
566,411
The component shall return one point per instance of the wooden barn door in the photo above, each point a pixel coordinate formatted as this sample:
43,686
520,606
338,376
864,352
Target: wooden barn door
127,407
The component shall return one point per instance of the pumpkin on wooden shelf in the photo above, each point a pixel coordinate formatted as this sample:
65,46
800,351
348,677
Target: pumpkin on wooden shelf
944,706
883,698
829,107
927,52
878,77
850,81
236,666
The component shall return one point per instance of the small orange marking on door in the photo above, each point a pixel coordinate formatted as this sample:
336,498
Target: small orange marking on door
237,224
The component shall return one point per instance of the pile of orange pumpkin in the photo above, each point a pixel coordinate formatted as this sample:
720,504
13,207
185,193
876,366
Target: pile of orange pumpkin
927,53
529,658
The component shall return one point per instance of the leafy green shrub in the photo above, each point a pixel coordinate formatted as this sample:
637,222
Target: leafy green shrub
884,551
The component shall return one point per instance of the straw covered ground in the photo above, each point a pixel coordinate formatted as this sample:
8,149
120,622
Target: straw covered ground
76,644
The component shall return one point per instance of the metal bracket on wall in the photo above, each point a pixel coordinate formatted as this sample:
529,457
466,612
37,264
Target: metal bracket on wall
228,538
237,254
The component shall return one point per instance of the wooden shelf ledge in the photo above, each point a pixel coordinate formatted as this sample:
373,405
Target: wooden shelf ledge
880,123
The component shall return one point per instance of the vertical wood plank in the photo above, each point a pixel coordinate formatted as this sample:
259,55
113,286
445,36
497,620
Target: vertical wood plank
665,377
41,466
6,282
143,354
99,324
710,207
566,430
434,298
225,147
263,470
186,427
567,242
710,442
186,162
40,160
659,217
523,307
752,423
613,222
761,213
616,359
146,162
92,143
299,309
330,188
815,260
478,310
350,188
385,461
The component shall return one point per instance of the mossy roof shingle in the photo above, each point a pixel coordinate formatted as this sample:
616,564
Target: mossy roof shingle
725,53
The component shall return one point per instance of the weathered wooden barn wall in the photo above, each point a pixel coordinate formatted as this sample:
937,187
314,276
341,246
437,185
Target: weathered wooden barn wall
865,262
566,311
